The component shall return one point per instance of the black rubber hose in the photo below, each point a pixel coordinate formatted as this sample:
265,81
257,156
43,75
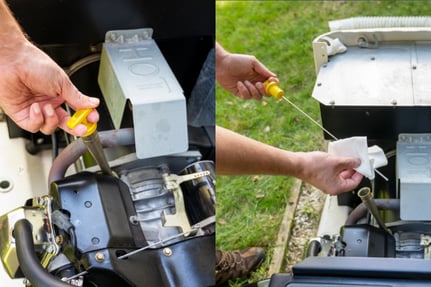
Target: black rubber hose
361,210
28,261
121,137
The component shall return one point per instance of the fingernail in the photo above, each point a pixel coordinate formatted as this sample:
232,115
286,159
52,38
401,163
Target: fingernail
36,108
49,110
94,101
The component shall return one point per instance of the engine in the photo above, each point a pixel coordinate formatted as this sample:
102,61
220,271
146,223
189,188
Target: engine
131,230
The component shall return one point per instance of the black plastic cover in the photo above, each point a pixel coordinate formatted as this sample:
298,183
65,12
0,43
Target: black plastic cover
367,241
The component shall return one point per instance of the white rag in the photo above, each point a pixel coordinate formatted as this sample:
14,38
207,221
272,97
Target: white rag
371,157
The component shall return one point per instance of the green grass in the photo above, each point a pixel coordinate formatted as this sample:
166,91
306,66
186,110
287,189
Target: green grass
279,34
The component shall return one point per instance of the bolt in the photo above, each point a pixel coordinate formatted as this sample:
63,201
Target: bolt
100,257
394,102
167,251
134,219
319,84
414,67
59,239
88,204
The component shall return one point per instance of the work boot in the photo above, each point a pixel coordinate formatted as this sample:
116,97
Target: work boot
237,264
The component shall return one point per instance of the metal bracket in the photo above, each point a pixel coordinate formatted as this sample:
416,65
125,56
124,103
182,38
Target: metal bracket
173,181
363,42
39,215
180,219
426,244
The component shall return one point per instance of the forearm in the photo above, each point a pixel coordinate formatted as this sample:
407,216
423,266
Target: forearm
220,52
239,155
10,31
220,55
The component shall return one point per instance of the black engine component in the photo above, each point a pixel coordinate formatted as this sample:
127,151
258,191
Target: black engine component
364,240
100,208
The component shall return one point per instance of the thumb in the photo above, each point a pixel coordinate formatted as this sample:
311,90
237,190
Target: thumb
351,162
77,100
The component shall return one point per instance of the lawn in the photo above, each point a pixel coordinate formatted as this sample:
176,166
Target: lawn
279,34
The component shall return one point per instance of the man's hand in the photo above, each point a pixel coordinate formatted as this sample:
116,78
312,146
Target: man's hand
242,75
33,88
331,174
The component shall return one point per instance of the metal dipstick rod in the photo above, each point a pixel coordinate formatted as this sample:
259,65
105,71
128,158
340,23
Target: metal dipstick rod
309,117
91,139
272,88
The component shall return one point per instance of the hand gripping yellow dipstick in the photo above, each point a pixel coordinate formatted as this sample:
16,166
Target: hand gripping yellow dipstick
91,138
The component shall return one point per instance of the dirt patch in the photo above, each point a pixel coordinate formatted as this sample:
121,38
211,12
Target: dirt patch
305,224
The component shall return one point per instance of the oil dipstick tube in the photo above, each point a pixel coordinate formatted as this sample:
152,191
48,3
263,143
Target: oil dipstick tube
367,198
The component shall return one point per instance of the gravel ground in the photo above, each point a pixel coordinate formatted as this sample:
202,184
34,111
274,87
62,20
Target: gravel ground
305,224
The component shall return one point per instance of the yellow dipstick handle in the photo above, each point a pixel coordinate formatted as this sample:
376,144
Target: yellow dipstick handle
80,117
273,89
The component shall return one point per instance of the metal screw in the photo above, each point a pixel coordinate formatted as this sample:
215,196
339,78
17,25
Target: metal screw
59,239
100,257
332,102
88,204
394,102
414,67
319,84
167,251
